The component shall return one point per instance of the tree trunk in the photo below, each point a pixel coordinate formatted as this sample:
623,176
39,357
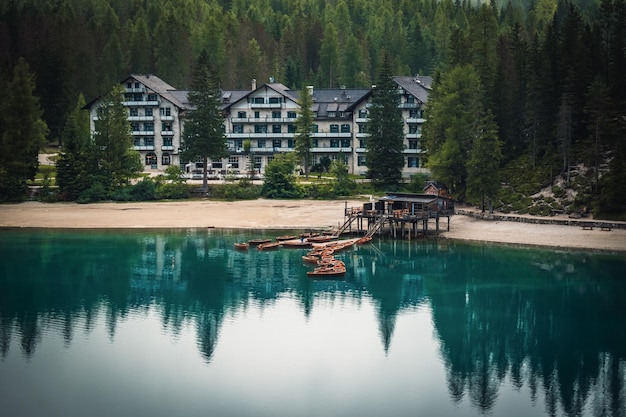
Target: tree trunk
205,183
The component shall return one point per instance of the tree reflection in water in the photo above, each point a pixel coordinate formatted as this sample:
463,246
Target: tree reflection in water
550,321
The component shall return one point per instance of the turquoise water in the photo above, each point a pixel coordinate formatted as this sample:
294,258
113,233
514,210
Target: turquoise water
161,323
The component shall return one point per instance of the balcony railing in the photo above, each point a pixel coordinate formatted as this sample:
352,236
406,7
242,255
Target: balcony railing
330,149
265,119
144,147
167,118
143,132
140,118
167,148
140,103
167,133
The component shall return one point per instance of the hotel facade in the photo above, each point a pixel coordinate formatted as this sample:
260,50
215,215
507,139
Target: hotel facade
266,116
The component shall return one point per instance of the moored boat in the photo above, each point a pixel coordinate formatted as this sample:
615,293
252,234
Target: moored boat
296,243
256,242
241,245
287,237
268,245
327,272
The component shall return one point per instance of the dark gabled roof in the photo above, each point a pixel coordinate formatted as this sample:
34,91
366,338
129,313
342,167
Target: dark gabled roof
162,88
337,99
419,85
238,95
410,198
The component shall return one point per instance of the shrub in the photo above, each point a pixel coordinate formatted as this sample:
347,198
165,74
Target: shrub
97,192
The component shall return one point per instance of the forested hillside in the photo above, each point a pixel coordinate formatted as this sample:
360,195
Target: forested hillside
551,72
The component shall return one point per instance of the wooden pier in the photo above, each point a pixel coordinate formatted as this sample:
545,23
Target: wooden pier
399,215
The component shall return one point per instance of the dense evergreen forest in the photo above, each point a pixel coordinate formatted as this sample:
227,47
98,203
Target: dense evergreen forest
551,71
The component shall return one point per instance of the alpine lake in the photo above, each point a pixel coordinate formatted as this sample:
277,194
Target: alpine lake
180,323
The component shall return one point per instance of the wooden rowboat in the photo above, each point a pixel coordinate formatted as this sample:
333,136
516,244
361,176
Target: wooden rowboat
241,246
364,240
269,245
256,242
296,244
327,272
282,238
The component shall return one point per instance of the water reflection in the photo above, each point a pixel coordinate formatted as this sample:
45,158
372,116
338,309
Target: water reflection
551,322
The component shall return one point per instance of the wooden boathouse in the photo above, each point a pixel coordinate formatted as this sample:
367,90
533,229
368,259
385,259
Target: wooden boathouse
399,214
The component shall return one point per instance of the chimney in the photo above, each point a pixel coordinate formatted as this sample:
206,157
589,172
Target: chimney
310,88
253,84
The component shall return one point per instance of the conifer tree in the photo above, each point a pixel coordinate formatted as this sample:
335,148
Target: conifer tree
117,161
23,133
385,142
75,163
204,136
304,129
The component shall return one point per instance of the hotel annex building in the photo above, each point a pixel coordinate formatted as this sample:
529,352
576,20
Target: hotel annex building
266,116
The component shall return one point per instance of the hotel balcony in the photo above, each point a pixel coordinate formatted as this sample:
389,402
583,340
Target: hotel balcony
361,150
332,150
140,118
139,103
144,147
409,105
167,148
268,135
167,133
362,119
167,118
332,135
267,105
135,90
412,151
266,119
143,132
413,135
418,120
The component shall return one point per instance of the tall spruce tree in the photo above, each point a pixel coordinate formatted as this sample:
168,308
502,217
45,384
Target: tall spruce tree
204,136
385,142
117,161
23,133
75,163
304,129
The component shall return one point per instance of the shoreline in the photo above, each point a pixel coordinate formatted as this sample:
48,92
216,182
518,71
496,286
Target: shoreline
288,214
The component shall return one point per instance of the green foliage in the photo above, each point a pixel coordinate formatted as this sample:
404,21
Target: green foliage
280,181
304,129
385,142
343,184
204,137
417,183
22,133
241,190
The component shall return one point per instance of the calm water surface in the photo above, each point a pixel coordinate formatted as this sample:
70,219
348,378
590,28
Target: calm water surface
162,323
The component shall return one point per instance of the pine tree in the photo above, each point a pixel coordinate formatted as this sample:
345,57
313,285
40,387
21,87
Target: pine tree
304,129
117,161
75,162
385,142
204,136
24,133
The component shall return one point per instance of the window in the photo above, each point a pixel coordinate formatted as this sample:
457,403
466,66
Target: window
276,115
166,159
137,142
241,114
291,115
410,99
134,112
362,128
148,127
412,144
415,128
291,143
315,143
257,115
412,162
334,128
165,111
259,100
148,112
362,143
234,162
291,128
345,143
360,161
315,129
167,141
334,143
257,162
261,143
149,141
270,158
277,143
345,128
237,128
274,100
362,114
275,128
413,114
137,97
331,114
260,129
166,127
152,97
137,85
134,126
216,164
151,159
238,143
129,85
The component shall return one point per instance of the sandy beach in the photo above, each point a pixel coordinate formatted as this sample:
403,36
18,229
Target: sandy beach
286,214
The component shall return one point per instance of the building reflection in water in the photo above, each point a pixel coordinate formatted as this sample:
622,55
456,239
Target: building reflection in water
553,322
